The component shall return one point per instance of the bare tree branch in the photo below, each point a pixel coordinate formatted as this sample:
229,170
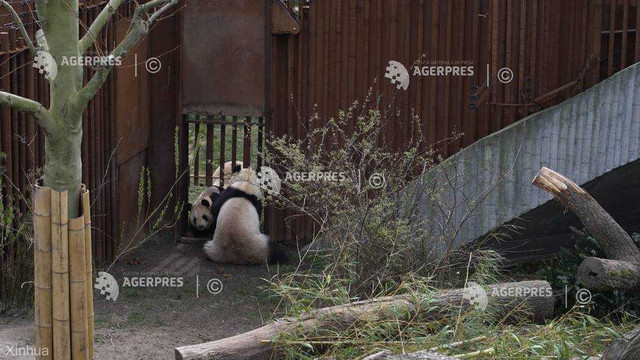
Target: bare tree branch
16,19
139,28
99,23
28,106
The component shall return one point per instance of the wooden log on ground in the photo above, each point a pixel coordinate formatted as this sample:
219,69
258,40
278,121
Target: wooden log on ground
626,347
605,274
536,296
622,268
422,355
60,275
86,211
42,269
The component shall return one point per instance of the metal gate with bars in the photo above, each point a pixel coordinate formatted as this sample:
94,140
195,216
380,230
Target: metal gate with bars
214,140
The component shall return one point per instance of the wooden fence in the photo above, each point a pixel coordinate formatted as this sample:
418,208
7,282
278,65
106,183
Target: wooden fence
555,49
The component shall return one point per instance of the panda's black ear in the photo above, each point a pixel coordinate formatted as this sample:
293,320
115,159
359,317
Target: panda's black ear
206,203
189,206
236,168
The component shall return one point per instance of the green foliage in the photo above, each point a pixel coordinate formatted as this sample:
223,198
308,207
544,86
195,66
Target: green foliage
16,245
372,244
576,333
372,234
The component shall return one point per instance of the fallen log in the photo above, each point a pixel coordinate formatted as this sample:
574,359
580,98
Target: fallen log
626,347
535,296
621,269
422,355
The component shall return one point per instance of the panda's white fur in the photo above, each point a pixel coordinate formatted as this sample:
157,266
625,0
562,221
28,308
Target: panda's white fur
237,238
228,173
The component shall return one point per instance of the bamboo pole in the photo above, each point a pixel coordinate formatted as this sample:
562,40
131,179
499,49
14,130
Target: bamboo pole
86,209
42,269
78,291
60,275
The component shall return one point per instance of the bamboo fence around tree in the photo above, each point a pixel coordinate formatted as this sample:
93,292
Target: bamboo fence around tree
64,315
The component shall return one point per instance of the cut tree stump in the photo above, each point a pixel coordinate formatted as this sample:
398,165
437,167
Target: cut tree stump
535,296
621,269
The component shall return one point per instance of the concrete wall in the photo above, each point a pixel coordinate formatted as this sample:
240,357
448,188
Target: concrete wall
489,183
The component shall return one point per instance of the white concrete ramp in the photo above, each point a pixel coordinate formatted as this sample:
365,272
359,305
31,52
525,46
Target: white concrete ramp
488,183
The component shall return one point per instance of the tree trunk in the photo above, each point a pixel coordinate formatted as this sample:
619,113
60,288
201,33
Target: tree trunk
63,143
626,347
256,344
63,166
622,269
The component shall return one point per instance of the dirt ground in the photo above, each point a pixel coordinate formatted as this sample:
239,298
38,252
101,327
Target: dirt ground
149,322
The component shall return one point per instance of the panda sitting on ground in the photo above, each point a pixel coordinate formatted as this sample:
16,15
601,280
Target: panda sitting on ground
200,216
237,238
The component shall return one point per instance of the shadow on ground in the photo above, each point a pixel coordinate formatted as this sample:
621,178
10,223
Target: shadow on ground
149,322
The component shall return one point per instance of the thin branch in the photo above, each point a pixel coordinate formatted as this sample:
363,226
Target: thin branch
139,28
97,25
16,19
159,13
28,106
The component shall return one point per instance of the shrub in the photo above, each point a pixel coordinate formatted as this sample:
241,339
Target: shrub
16,246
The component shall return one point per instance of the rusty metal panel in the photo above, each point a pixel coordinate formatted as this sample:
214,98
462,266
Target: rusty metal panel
224,57
132,113
556,49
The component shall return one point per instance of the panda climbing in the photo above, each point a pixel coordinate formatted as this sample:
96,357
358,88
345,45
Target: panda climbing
230,168
200,216
237,238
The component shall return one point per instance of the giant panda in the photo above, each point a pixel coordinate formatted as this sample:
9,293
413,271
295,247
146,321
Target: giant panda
237,238
200,216
230,167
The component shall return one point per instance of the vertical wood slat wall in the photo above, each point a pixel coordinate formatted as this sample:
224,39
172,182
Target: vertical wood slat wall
555,49
23,141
